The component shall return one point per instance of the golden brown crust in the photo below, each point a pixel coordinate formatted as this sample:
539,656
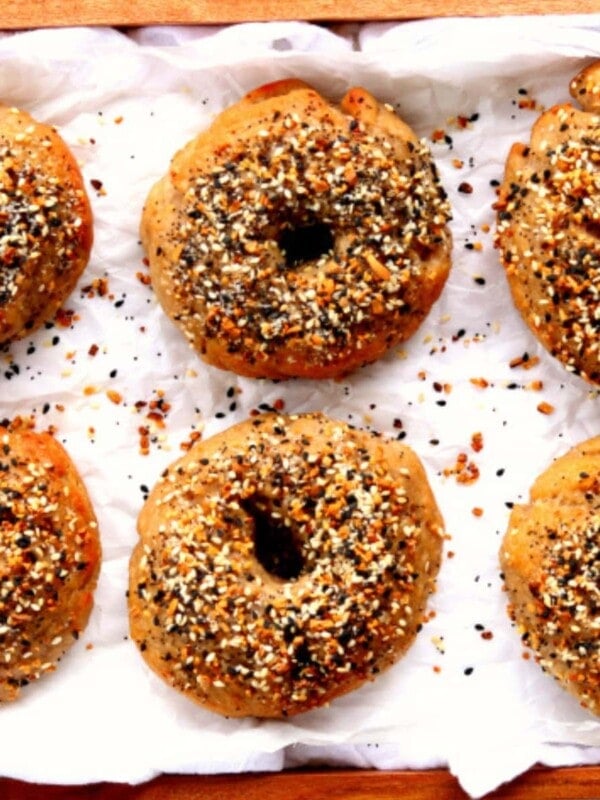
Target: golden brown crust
282,169
585,87
550,557
283,563
549,229
49,556
45,223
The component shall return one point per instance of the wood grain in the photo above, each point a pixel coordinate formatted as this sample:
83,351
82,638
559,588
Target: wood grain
567,783
56,13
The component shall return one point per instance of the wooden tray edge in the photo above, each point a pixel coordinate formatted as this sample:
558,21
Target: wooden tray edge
539,783
19,14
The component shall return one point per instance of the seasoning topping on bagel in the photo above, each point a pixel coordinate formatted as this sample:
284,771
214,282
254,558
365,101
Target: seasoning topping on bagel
283,563
45,223
298,238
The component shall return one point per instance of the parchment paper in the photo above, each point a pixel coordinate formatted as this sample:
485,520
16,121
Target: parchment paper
464,696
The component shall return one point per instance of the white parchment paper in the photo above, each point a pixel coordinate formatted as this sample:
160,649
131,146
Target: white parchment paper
464,696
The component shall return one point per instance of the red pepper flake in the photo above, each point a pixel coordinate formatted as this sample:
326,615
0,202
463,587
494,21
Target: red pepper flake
143,278
158,419
193,437
144,434
480,383
457,163
89,390
279,404
465,188
535,386
525,361
487,635
545,408
477,511
462,122
93,350
98,287
157,411
529,103
477,442
114,396
438,135
465,471
65,317
437,669
118,120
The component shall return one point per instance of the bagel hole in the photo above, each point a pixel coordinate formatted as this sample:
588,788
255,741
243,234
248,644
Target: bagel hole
305,243
275,546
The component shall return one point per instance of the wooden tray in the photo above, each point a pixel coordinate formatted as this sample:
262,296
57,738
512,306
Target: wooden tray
566,783
54,13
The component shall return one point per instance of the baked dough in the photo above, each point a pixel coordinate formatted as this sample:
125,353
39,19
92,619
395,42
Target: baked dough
45,223
296,238
550,557
283,563
549,226
49,557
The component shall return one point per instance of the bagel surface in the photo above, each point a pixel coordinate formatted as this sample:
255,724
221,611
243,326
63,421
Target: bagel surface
45,223
283,563
49,557
297,238
548,228
550,558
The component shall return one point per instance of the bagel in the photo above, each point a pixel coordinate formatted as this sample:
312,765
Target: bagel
49,557
45,223
295,238
548,228
550,558
283,563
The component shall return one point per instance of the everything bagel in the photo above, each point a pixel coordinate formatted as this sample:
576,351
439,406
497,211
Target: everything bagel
45,223
550,558
295,238
49,557
283,563
548,228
